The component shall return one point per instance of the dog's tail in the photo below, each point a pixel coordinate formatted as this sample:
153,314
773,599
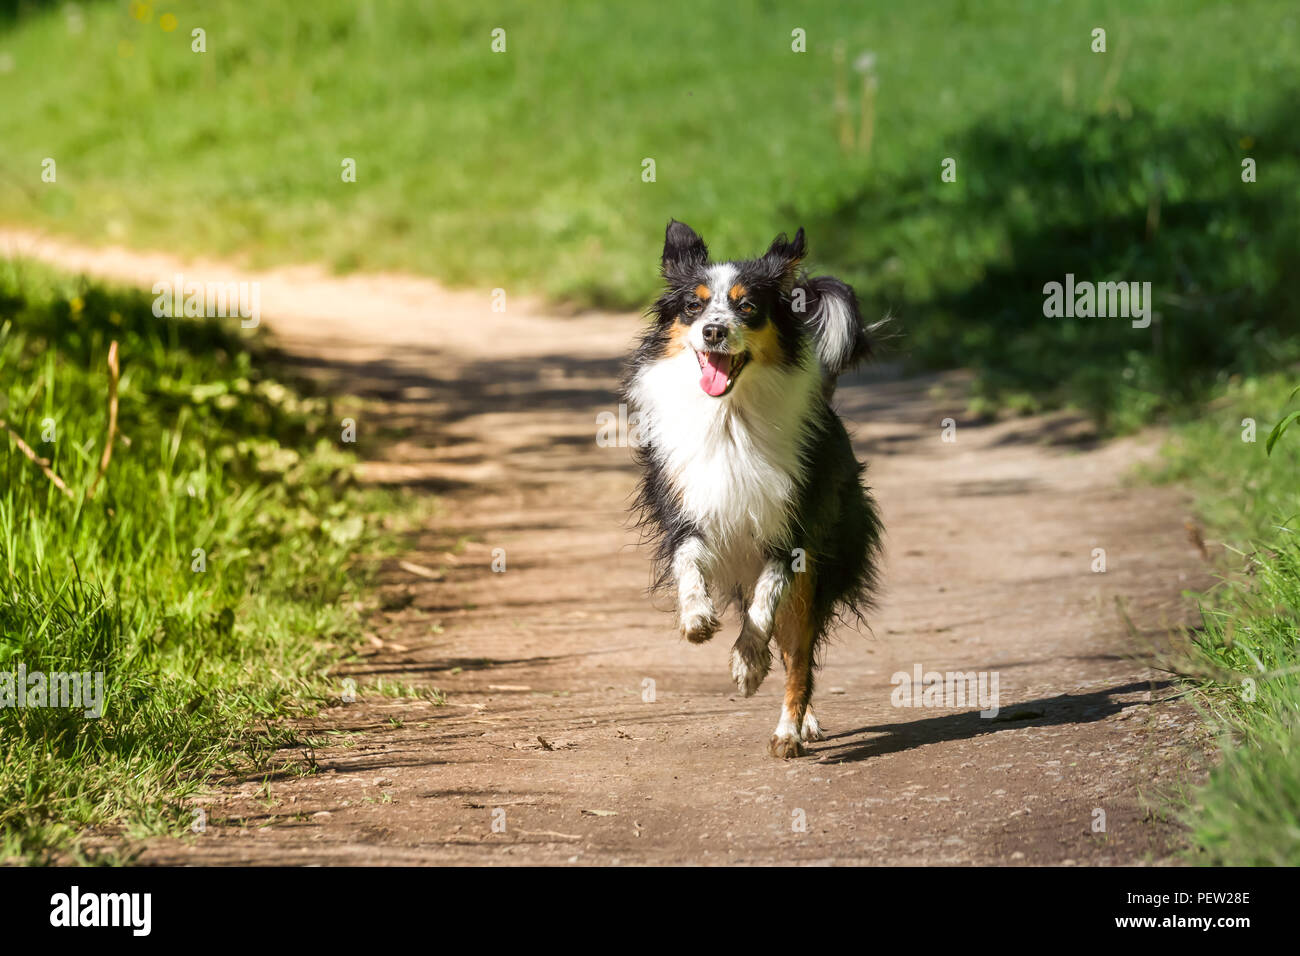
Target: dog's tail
843,339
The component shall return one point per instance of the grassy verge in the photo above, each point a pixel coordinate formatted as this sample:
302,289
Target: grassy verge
210,580
525,168
1247,655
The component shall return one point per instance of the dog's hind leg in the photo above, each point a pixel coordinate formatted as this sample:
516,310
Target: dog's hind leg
812,728
796,636
751,655
698,619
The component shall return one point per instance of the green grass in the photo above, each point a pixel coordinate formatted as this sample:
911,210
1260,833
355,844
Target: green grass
215,453
523,169
1248,813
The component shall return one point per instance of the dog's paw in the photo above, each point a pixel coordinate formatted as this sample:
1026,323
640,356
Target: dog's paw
699,624
785,747
751,659
812,730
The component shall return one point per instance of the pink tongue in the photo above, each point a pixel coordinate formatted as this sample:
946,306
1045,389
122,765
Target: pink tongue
717,373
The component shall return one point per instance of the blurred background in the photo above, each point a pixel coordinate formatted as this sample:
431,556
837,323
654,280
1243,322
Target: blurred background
525,168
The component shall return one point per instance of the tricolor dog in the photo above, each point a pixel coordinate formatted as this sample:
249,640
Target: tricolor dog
750,488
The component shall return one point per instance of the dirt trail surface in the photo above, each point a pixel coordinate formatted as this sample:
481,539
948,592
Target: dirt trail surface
578,720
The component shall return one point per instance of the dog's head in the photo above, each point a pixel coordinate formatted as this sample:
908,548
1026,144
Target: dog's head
728,315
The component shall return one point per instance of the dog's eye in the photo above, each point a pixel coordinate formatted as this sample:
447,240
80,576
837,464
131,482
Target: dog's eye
694,307
747,308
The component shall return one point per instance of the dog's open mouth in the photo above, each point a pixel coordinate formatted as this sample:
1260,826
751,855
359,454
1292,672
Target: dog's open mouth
720,371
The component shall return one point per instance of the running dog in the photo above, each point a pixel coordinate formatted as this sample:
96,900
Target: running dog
750,489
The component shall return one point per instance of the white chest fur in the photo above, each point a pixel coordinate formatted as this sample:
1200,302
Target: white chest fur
733,463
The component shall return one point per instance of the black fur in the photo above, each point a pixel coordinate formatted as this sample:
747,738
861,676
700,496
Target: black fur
839,526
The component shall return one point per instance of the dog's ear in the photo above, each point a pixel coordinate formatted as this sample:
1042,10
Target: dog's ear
781,261
684,250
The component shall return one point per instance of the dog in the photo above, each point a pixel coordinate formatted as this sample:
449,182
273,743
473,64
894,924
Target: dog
749,488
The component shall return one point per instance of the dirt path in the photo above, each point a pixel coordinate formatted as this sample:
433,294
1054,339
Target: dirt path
989,568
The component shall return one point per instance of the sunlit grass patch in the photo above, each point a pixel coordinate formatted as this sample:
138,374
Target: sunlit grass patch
1245,658
211,581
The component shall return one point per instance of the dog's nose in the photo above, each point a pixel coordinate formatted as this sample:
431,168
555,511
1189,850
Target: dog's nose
714,334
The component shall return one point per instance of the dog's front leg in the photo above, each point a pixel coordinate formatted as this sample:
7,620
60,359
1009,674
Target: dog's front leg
698,619
751,655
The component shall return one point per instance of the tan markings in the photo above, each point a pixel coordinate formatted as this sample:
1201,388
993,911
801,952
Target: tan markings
676,338
703,292
764,345
794,635
738,292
